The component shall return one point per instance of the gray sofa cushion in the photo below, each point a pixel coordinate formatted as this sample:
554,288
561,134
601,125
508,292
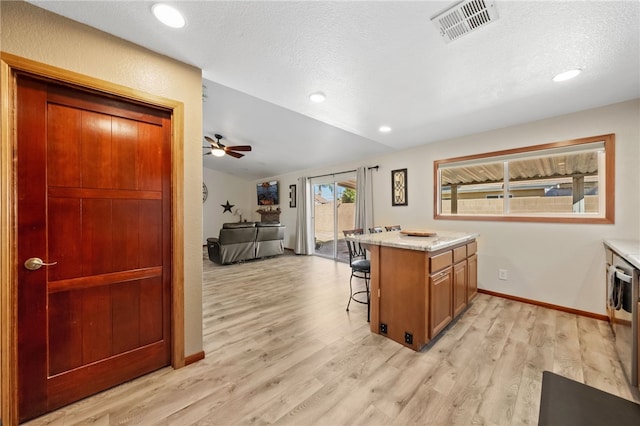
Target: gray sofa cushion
268,233
270,241
237,235
268,224
246,240
236,225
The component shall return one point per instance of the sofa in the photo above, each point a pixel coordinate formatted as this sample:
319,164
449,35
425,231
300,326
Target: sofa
242,241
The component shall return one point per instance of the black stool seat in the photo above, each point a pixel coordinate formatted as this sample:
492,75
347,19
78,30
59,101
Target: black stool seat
361,265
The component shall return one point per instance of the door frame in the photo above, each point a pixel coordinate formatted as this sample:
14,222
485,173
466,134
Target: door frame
9,66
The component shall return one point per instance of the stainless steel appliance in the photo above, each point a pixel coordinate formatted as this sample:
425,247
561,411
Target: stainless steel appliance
623,298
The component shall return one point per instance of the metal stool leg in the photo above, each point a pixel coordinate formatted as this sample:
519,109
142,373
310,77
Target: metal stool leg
365,277
366,280
350,292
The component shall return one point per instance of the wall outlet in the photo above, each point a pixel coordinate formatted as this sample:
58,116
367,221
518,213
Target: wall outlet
502,274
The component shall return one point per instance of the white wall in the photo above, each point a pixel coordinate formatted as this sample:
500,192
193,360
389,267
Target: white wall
242,194
222,188
561,264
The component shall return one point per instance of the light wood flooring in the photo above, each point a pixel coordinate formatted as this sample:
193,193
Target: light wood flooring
280,349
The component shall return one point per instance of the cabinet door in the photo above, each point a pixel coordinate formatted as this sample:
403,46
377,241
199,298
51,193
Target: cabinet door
472,277
441,306
459,287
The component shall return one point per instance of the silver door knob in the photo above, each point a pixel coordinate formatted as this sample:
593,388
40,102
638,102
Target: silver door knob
34,263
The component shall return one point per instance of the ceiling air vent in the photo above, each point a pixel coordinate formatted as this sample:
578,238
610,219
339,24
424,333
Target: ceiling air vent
464,17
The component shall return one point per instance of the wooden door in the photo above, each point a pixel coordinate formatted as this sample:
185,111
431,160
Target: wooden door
94,197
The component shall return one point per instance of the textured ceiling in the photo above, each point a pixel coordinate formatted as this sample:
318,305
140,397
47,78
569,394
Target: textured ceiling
378,63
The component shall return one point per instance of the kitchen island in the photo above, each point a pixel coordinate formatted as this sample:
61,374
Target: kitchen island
419,284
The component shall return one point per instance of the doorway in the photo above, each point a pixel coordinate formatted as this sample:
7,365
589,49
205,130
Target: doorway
333,211
11,67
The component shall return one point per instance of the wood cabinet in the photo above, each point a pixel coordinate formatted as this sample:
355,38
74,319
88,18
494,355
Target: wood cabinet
472,277
460,283
416,294
440,307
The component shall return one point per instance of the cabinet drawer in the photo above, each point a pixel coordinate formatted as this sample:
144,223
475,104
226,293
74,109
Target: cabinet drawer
440,261
472,248
459,254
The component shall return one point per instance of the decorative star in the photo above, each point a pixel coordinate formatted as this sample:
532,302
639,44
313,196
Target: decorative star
227,207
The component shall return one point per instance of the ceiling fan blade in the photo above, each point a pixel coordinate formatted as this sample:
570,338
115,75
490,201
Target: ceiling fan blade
207,153
240,148
234,154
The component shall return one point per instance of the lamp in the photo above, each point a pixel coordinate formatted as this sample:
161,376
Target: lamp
216,152
238,212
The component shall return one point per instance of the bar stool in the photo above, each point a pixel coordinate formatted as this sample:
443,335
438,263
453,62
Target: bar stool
360,268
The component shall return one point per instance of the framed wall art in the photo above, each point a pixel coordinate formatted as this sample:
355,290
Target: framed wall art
399,187
292,195
268,193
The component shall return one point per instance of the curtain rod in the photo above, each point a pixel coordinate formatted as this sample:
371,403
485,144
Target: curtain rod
337,173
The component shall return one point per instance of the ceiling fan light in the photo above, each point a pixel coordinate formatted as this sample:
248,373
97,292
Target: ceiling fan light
168,15
217,152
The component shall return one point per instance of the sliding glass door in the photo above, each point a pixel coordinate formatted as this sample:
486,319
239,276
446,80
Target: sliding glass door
333,211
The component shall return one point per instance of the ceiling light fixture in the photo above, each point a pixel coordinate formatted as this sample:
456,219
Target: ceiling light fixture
567,75
217,152
384,129
168,15
317,97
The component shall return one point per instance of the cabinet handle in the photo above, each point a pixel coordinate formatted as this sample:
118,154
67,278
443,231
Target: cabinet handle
440,274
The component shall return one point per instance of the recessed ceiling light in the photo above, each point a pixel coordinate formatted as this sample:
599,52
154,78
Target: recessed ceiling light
168,15
384,129
317,97
567,75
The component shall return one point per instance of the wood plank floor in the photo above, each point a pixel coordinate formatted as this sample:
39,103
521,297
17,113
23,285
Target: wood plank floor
280,349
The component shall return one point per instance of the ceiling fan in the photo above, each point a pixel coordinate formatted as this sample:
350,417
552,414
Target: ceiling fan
218,149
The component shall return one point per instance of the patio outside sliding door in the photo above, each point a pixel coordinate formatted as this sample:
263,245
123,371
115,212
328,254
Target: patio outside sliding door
333,211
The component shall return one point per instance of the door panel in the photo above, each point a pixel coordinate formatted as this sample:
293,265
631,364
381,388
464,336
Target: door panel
441,307
93,196
63,145
459,287
333,212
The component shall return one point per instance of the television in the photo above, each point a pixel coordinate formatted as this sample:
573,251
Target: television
268,193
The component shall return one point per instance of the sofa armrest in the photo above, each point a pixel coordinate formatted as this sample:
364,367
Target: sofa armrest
213,247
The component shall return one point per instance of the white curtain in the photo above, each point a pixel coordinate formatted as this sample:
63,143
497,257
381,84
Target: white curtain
364,199
304,234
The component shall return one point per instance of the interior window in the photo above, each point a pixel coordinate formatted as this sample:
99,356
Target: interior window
569,181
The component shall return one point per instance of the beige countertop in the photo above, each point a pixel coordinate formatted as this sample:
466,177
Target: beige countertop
442,240
629,250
